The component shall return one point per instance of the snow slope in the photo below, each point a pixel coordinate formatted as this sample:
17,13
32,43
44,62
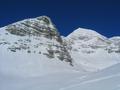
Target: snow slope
108,79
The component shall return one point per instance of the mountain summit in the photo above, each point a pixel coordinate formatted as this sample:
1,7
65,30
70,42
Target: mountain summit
32,45
36,27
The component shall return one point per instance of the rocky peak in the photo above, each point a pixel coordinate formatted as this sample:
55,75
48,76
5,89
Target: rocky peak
36,35
45,20
40,26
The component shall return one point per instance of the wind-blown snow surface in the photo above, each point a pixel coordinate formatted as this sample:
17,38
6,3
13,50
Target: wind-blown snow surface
108,79
34,57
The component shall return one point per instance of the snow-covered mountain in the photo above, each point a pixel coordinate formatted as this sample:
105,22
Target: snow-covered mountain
33,48
92,50
30,46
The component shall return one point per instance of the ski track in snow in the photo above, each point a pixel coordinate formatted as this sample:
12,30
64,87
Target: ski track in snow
91,81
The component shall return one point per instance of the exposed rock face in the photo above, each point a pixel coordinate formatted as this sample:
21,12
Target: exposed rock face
36,27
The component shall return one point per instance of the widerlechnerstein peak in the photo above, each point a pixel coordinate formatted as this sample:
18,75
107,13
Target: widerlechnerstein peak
38,39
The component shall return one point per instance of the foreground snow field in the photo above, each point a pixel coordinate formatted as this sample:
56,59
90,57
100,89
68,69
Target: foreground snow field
34,56
108,79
